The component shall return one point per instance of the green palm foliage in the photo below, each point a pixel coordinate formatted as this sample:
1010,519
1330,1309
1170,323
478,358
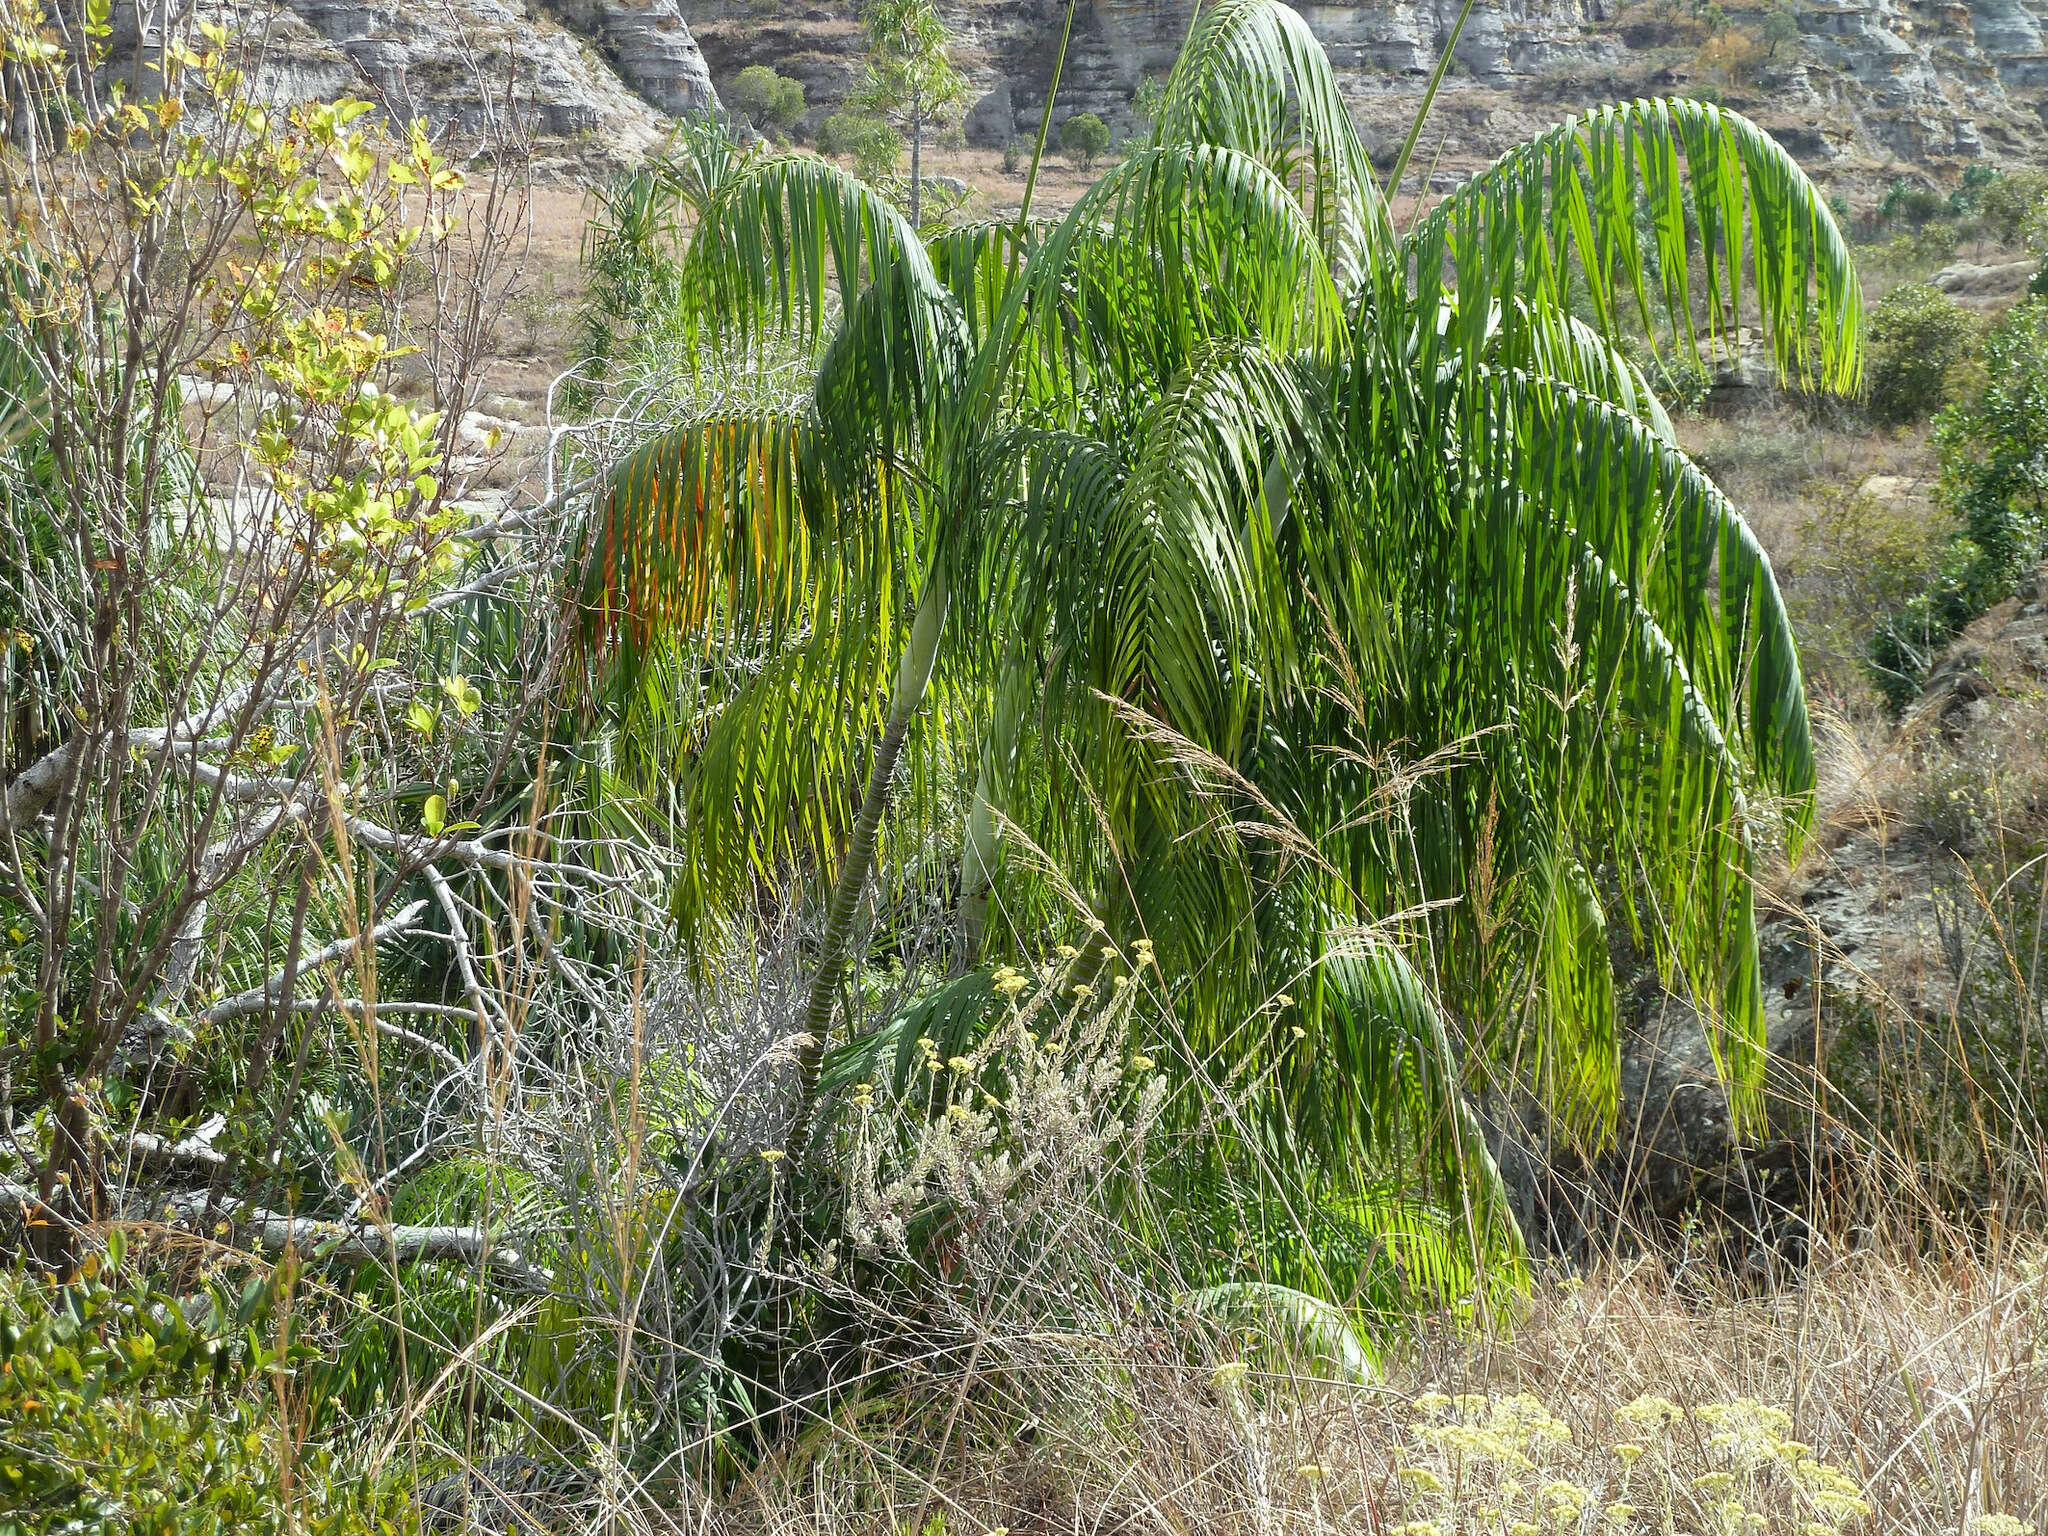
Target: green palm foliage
1330,606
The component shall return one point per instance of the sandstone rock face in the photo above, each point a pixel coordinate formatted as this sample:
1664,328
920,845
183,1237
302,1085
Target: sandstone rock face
611,71
651,46
1866,82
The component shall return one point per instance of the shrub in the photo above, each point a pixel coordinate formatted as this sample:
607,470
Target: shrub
1917,334
2012,203
1909,201
1993,447
869,142
1085,138
1969,194
134,1411
1731,54
765,97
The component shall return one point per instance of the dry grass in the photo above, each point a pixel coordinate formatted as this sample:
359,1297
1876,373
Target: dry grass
1918,1379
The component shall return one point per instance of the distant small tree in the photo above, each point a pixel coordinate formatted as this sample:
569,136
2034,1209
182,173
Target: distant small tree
1085,137
869,141
765,97
1909,200
1780,29
1917,334
1964,199
910,75
2013,201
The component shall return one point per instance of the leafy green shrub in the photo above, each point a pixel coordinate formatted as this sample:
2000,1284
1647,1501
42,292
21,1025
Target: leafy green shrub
1994,477
125,1409
1917,334
1969,194
1860,559
2012,203
869,141
1910,202
1085,138
1913,254
765,97
1994,448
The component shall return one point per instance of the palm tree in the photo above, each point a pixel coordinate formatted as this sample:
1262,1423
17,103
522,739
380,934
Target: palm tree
1285,577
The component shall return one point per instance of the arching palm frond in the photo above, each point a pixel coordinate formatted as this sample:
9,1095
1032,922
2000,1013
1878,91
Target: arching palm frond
1179,245
1687,555
1186,569
1254,79
1551,344
727,519
981,263
788,245
1571,201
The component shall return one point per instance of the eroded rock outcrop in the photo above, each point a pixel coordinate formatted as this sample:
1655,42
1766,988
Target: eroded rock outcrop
613,72
1864,84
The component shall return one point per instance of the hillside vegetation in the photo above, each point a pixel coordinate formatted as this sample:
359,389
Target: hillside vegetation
1172,862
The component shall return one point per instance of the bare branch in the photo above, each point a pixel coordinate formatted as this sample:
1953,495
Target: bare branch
256,999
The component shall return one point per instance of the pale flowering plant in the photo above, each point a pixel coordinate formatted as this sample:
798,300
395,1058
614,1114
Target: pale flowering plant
1007,1139
1505,1464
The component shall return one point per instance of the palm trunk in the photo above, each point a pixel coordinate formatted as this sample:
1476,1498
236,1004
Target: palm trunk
1059,63
978,858
916,156
977,868
913,676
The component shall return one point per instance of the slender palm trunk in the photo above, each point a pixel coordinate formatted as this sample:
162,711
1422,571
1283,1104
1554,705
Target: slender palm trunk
916,156
978,858
913,676
977,871
1059,63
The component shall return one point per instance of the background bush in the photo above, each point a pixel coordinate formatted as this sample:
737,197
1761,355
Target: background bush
1085,137
765,98
1994,478
870,142
1917,334
127,1409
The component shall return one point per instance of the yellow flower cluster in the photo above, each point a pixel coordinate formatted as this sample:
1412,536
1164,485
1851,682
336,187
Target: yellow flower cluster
1507,1466
1508,1430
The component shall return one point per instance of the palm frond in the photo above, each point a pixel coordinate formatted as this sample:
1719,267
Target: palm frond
1687,555
1570,200
791,241
727,518
1378,1074
1179,245
1254,79
1558,346
1288,1331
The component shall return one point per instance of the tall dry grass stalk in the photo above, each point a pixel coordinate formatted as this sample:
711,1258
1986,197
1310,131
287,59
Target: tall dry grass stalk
1917,1378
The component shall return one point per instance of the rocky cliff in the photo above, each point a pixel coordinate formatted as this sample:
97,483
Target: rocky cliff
1852,86
610,72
